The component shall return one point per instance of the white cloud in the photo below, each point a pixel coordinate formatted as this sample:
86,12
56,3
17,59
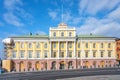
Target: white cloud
15,14
76,20
99,26
12,4
52,14
94,6
115,14
12,19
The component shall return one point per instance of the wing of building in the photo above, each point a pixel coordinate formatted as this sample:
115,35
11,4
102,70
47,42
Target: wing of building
61,49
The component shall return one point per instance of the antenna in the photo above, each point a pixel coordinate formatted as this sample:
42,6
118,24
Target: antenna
62,13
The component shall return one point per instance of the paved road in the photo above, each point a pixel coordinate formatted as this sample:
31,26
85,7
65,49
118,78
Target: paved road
99,77
53,75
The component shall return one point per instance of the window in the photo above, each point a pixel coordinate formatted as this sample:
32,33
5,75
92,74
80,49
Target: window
30,54
78,45
109,53
86,54
45,45
45,55
30,45
70,34
38,54
14,45
54,54
14,54
94,54
22,45
54,34
117,55
79,54
109,45
101,45
86,45
62,34
54,45
94,45
37,45
70,54
62,45
62,54
101,53
70,45
21,54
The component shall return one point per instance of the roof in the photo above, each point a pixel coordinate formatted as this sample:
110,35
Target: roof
94,36
31,36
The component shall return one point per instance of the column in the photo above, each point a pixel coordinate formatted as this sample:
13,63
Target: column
75,56
50,49
66,49
74,49
91,54
81,54
58,34
98,56
58,50
17,67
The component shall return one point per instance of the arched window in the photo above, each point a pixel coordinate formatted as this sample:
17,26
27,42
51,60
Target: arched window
54,34
70,34
62,34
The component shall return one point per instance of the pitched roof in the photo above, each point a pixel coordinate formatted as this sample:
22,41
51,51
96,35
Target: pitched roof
94,36
31,36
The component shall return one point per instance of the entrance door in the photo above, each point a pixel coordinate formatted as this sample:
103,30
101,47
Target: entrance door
62,65
21,66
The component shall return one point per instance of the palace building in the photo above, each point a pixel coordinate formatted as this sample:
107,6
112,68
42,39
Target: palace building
118,50
61,49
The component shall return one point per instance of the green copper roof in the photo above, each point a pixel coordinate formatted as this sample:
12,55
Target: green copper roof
31,36
93,36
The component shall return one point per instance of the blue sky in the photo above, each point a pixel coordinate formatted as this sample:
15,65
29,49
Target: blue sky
19,17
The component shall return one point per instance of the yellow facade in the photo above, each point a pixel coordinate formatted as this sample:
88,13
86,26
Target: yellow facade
62,43
7,64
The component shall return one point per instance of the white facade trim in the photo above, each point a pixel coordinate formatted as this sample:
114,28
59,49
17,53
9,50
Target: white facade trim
97,40
31,40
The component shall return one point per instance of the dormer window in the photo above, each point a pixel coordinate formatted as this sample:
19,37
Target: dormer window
70,34
54,34
62,34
